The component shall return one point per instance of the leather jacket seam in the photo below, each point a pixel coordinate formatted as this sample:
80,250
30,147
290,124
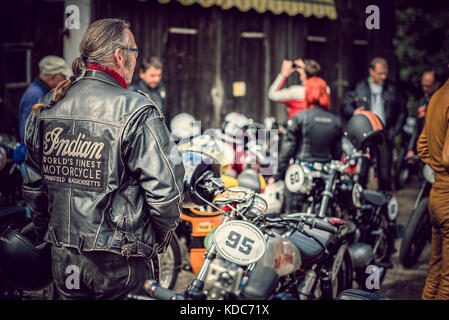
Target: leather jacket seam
161,115
82,119
165,158
101,222
137,131
164,202
123,130
69,213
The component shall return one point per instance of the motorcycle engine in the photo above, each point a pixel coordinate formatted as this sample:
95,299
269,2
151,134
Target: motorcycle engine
223,277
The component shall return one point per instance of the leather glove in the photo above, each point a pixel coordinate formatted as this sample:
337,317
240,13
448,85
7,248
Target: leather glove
163,241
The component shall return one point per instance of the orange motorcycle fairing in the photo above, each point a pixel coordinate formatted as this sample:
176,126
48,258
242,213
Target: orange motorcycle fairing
202,224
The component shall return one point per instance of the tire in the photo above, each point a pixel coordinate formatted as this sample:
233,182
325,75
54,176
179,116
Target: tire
371,277
170,264
400,176
345,275
416,235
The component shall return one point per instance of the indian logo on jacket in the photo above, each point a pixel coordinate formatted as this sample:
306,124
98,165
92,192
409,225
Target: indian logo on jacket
74,159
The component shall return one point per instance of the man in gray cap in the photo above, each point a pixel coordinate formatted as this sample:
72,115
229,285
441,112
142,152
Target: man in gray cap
53,70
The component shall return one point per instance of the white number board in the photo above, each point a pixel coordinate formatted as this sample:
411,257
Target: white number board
240,242
294,178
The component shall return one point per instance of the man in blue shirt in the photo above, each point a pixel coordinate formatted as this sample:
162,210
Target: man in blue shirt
53,70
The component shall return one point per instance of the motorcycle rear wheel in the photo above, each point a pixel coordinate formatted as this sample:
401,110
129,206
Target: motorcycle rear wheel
170,264
344,277
417,234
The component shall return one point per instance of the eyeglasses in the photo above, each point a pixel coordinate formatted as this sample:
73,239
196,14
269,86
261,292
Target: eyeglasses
136,50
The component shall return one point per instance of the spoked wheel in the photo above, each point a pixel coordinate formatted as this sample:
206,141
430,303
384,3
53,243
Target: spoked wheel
381,240
343,280
417,234
170,264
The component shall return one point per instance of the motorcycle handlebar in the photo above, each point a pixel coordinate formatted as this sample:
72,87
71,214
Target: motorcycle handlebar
153,289
311,222
315,223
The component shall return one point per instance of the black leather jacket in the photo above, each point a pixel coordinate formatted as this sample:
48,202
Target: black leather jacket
158,95
314,135
394,105
103,172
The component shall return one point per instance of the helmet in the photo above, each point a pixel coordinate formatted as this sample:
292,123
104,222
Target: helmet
25,265
364,129
199,168
184,126
234,125
210,145
273,195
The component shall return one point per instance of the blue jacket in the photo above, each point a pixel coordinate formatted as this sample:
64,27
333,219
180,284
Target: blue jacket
35,91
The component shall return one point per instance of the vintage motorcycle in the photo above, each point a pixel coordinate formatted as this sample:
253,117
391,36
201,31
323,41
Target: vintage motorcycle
403,166
249,241
329,190
197,222
418,230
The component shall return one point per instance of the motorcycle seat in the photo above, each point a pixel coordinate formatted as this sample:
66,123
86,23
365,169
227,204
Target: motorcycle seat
375,198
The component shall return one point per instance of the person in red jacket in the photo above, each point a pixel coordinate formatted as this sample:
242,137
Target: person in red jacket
294,95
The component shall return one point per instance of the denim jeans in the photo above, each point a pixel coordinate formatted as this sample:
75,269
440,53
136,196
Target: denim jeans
97,275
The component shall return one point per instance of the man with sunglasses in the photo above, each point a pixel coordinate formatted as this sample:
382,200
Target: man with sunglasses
104,179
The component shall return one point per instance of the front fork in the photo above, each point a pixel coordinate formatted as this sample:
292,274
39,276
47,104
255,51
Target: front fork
198,284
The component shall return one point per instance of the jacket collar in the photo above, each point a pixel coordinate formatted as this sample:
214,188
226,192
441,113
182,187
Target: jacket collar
103,76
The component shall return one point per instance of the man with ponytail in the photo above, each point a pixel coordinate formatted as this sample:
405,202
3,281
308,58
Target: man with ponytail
104,179
314,134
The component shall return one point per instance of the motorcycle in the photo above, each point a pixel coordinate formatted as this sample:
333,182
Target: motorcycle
404,165
250,242
197,223
418,231
370,215
13,212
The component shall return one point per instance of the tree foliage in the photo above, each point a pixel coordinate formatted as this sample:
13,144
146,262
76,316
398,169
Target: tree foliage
421,43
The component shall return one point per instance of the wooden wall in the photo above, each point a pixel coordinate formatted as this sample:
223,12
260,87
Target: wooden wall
200,68
39,23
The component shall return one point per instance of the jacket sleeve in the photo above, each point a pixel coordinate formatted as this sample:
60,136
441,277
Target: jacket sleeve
33,189
290,146
423,147
153,159
276,93
349,105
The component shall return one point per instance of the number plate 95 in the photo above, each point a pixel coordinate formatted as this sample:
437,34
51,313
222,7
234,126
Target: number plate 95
240,242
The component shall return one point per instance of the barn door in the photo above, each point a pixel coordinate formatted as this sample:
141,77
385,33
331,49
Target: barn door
15,66
248,86
181,71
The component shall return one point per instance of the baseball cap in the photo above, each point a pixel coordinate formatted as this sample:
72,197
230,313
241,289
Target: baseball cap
54,65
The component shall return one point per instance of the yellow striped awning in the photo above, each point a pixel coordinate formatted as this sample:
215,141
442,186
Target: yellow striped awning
307,8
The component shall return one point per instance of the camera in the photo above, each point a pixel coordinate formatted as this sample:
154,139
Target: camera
294,65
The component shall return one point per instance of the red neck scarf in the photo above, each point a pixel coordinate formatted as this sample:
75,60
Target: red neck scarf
110,72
